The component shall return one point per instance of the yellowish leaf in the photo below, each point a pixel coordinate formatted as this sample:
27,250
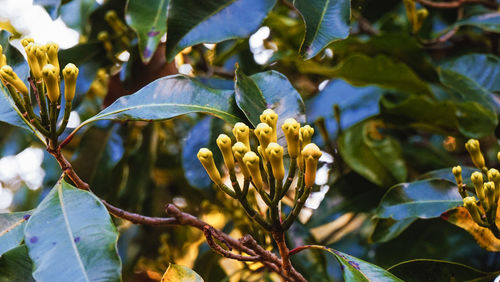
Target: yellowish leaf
179,273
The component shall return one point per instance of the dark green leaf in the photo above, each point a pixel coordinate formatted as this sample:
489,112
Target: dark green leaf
445,173
179,273
75,14
378,160
149,19
249,97
419,199
169,97
12,229
208,21
325,20
438,270
16,265
482,68
488,22
71,236
388,228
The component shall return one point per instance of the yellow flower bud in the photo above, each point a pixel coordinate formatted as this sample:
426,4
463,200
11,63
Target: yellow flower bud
41,56
224,143
494,175
489,193
52,49
103,36
271,118
471,206
242,133
472,146
116,24
311,154
498,156
274,153
305,135
50,77
207,160
264,133
26,41
32,61
262,153
9,76
3,60
477,180
457,172
291,129
239,151
252,162
70,73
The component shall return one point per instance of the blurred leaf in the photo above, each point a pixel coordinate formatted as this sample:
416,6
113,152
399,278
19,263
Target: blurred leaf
52,7
355,269
208,21
75,14
387,228
489,22
16,265
72,232
381,70
325,21
460,217
438,270
482,68
377,159
169,97
419,199
12,229
179,273
148,18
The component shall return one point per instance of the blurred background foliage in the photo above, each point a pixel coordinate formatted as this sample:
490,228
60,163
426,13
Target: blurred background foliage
408,100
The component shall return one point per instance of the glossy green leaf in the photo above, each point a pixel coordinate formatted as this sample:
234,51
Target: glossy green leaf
387,229
482,68
169,97
355,269
149,19
378,160
439,270
488,22
268,90
71,236
381,70
16,265
208,21
12,229
446,174
420,199
179,273
326,21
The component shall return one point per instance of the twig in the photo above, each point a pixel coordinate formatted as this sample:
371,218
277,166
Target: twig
208,231
457,4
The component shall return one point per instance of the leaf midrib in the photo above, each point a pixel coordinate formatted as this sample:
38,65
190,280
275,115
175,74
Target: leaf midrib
320,20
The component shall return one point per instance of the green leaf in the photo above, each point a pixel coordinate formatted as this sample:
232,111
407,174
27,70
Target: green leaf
482,68
212,21
179,273
446,174
387,229
16,265
489,22
438,270
355,269
148,18
269,89
169,97
361,70
326,21
72,237
377,159
12,229
420,199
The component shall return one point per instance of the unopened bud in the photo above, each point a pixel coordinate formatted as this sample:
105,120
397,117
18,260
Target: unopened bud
207,160
26,41
239,151
271,118
305,135
52,49
475,213
242,133
41,56
472,146
51,79
457,172
494,175
477,180
3,60
274,153
311,154
252,162
8,75
70,73
264,133
32,61
224,143
291,129
489,193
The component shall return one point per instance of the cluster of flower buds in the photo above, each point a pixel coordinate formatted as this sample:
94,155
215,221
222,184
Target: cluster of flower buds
482,209
121,32
268,175
44,87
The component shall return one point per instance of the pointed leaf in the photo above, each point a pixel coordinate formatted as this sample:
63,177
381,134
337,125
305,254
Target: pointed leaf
326,21
12,229
16,265
179,273
438,270
71,236
149,19
482,68
169,97
208,21
460,217
422,199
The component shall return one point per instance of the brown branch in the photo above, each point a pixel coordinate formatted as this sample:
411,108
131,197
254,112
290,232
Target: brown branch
279,238
208,231
300,249
457,4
